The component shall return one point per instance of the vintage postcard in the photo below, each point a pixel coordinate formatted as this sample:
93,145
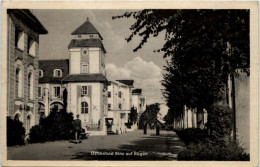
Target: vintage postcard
129,83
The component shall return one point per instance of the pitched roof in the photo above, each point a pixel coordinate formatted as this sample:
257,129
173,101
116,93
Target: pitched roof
27,16
86,78
48,66
86,43
137,91
127,82
86,28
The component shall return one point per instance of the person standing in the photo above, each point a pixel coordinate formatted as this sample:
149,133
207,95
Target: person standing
158,126
145,127
77,129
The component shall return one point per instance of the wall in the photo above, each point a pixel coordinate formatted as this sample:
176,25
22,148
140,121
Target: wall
94,62
75,57
95,106
14,103
242,96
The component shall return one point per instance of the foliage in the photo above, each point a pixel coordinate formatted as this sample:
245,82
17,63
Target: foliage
214,150
56,126
15,132
168,118
202,46
133,115
220,121
150,114
192,135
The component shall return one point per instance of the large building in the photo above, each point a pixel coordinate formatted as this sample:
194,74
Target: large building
80,82
22,68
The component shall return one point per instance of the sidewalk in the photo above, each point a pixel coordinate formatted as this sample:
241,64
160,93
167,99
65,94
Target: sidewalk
128,146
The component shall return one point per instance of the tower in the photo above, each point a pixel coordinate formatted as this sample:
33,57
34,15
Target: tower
86,82
87,53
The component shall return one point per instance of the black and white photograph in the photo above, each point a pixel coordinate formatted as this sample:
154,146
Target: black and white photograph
129,84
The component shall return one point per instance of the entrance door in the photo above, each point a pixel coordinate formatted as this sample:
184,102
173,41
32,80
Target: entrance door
109,123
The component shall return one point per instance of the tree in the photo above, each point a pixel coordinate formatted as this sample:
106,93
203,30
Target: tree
15,132
133,115
150,114
203,47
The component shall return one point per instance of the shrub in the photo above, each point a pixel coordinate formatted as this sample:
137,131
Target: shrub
220,121
15,132
56,126
217,150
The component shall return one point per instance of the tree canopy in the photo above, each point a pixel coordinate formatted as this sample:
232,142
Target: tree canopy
202,47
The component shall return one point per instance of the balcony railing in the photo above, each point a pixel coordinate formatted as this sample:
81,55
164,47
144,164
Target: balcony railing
92,127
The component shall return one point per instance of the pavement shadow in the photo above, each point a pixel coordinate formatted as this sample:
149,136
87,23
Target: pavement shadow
150,147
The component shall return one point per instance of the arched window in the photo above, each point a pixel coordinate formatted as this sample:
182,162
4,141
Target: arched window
57,73
84,107
17,117
40,73
18,82
30,85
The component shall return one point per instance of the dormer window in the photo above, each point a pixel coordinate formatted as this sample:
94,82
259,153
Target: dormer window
40,73
57,73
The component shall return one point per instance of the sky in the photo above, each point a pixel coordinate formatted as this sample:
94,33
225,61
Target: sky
145,67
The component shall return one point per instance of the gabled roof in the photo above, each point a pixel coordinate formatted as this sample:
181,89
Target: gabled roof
137,91
29,18
86,28
85,78
74,43
48,67
127,82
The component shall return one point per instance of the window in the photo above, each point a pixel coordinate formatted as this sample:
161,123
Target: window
119,94
84,90
57,73
108,94
84,68
120,106
56,91
17,84
30,85
84,107
79,36
19,39
39,91
31,46
40,73
91,36
109,106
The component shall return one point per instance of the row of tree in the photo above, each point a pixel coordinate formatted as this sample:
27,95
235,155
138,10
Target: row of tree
202,47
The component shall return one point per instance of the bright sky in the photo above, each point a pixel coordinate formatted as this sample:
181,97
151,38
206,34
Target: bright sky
144,66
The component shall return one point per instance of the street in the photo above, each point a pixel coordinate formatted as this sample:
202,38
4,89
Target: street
128,146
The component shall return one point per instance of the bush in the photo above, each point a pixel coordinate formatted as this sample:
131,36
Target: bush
15,132
214,150
56,126
220,121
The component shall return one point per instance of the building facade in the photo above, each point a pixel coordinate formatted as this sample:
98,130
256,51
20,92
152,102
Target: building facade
119,105
22,68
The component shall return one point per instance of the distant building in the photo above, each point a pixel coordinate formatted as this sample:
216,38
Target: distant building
138,102
119,105
22,68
